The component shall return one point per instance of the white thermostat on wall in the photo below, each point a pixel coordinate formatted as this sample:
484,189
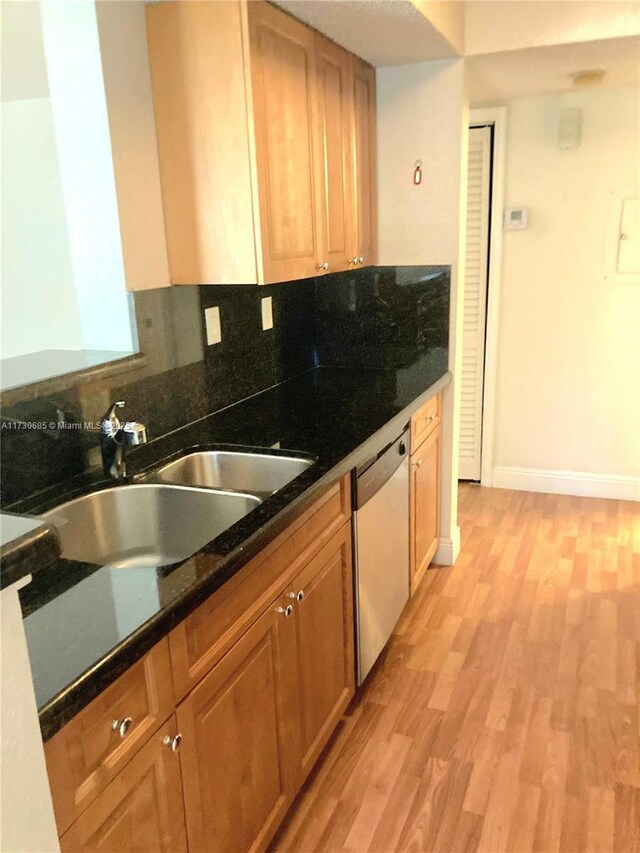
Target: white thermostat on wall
516,218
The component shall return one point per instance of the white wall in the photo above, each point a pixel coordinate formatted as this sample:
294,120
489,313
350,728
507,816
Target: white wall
37,279
134,146
494,25
422,115
69,251
27,824
72,52
568,383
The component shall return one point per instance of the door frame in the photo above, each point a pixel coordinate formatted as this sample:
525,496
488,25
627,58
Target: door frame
497,117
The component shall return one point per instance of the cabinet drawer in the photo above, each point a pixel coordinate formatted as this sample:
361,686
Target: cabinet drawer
84,756
206,634
424,421
142,810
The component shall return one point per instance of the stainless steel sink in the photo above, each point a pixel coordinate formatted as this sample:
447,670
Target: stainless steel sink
258,473
145,526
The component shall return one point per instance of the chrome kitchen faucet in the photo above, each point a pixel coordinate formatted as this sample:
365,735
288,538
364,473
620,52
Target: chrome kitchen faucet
114,436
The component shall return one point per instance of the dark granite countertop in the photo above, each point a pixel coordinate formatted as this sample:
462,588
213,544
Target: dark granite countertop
26,545
86,624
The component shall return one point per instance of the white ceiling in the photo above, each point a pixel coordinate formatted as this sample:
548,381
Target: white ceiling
383,32
516,73
395,32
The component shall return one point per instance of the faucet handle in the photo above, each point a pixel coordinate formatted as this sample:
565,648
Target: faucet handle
110,421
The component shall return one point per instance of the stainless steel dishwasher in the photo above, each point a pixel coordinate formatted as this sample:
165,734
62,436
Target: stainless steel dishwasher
381,549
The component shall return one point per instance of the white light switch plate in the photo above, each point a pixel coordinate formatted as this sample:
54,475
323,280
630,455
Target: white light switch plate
267,313
212,320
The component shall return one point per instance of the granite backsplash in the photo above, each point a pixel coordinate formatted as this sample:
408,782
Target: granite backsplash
373,318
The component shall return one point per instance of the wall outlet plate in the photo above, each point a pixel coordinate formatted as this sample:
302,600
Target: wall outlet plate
212,322
266,305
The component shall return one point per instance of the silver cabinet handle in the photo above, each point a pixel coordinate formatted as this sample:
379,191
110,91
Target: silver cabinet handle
286,611
122,726
324,266
360,259
417,463
353,261
431,417
172,742
298,596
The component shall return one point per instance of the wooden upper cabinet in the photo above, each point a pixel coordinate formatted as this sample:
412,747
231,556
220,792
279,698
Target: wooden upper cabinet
201,106
283,73
364,158
335,115
264,130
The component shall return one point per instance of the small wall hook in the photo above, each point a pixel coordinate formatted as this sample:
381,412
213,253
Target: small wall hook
417,173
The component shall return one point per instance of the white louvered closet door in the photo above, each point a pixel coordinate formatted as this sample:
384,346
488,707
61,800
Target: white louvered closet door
475,302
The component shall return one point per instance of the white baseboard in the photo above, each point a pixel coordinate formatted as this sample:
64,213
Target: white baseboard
448,549
577,483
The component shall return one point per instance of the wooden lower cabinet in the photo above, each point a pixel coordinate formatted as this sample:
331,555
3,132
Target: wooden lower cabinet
237,729
323,620
425,505
256,723
141,811
253,714
91,750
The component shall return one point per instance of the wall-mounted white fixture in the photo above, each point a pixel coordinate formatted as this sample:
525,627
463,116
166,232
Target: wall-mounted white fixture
266,305
212,321
417,172
516,218
570,128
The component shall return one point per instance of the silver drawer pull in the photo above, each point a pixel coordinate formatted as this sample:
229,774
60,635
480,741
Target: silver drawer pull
172,742
417,463
431,417
286,611
300,595
122,726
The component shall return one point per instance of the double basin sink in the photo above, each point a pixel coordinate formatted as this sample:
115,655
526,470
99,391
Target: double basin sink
174,512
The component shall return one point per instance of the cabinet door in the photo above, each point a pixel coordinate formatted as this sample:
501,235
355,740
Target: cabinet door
364,143
196,56
324,643
141,811
91,750
336,133
283,73
239,726
425,505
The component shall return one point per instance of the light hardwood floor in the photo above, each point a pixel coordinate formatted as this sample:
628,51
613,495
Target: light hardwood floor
504,713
